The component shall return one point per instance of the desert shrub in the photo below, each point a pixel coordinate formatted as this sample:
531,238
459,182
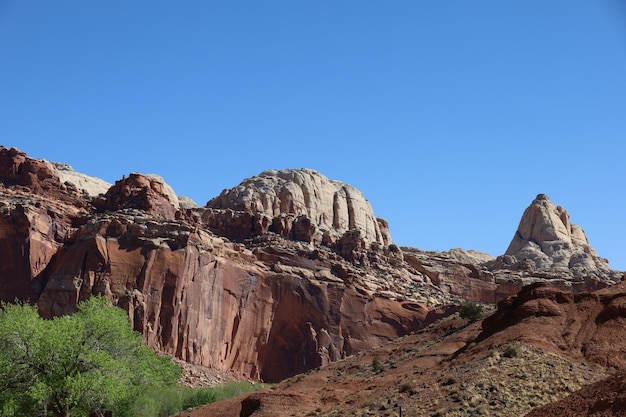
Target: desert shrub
512,350
376,365
472,311
405,386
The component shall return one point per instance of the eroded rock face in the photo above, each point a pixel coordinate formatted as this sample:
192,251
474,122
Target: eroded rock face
32,230
148,193
90,186
545,240
588,324
331,206
35,176
267,312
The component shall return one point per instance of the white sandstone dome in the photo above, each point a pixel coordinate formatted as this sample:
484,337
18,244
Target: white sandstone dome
331,205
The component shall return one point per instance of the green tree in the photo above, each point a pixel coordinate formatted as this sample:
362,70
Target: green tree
79,365
472,311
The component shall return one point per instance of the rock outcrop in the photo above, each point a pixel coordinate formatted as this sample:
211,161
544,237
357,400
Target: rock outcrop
90,186
36,176
32,230
148,193
545,240
548,248
265,306
268,311
332,207
588,325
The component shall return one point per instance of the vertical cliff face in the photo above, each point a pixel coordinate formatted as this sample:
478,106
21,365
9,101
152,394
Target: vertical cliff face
213,302
36,216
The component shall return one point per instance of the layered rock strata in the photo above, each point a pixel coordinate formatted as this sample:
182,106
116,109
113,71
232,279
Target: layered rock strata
265,307
284,273
587,325
268,311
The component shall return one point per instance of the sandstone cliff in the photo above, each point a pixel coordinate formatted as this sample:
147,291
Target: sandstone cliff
264,307
284,273
266,311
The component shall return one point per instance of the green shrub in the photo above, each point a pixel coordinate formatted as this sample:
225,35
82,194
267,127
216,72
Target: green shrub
512,350
405,386
78,365
472,311
168,401
376,365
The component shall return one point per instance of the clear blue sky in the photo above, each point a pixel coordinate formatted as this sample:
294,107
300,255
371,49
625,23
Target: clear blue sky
450,116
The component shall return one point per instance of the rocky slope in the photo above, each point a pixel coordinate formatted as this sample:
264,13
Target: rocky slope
606,398
537,348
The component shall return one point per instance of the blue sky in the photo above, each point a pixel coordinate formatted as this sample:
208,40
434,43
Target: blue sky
449,116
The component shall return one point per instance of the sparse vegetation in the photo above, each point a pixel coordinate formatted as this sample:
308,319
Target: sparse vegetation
405,386
377,366
472,311
511,351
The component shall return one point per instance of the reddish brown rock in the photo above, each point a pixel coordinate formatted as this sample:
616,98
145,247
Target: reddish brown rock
146,193
588,325
606,398
34,176
18,169
37,215
267,313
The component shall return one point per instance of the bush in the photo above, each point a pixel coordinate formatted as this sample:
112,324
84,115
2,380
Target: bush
405,386
376,365
512,350
78,365
172,400
471,311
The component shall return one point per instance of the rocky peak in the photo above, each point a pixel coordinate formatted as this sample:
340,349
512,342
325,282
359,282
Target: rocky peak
544,222
148,193
331,206
545,240
35,176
